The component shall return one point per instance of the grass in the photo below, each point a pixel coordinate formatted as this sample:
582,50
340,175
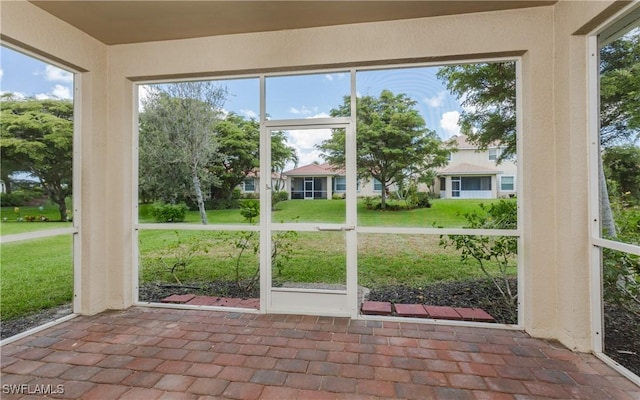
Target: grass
36,274
315,258
443,213
12,226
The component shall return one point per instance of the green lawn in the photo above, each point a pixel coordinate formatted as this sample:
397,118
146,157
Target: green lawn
38,274
316,257
443,213
9,224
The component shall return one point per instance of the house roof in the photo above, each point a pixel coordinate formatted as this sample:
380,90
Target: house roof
120,22
325,169
462,143
468,169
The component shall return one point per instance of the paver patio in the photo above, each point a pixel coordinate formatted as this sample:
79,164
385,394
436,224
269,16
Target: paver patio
156,353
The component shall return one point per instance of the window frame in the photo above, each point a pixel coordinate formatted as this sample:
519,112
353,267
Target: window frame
513,183
604,34
76,196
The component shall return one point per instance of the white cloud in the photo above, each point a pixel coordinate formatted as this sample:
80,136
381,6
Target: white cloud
61,92
338,76
449,123
304,110
42,96
14,95
56,74
249,113
143,95
436,101
321,115
1,73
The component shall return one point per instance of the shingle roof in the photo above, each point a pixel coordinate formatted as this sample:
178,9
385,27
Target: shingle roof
315,170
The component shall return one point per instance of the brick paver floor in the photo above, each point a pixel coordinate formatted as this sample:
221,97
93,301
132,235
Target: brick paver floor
155,353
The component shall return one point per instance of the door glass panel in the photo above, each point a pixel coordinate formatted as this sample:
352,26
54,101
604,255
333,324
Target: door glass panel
308,260
304,181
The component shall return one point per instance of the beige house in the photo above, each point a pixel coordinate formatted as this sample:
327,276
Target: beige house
322,181
474,174
114,46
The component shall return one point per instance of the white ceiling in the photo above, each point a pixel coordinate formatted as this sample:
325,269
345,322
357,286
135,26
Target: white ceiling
119,22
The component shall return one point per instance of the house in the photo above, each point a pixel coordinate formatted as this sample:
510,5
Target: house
112,47
251,183
322,181
475,174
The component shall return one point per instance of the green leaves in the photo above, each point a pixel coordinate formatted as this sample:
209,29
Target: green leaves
36,136
488,95
393,142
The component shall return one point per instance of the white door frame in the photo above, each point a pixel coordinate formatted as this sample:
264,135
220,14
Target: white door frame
326,302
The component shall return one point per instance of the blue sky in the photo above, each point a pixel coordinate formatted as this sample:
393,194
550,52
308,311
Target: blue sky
287,97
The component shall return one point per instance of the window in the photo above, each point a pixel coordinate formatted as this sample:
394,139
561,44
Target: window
443,183
494,153
340,184
476,183
377,185
507,183
249,185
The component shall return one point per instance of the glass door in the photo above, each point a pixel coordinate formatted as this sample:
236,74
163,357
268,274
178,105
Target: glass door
310,223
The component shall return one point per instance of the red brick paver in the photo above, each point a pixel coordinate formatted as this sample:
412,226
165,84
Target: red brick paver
155,353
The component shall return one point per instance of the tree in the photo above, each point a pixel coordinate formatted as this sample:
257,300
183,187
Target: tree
281,155
177,129
239,148
620,90
488,97
393,142
488,94
622,166
36,136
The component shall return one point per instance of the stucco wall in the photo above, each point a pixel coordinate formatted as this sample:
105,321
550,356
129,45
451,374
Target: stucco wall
571,146
553,134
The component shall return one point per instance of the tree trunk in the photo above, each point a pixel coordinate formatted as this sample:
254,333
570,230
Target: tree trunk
199,197
606,214
383,198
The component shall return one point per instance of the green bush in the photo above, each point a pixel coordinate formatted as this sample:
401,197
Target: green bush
250,209
16,199
337,196
163,212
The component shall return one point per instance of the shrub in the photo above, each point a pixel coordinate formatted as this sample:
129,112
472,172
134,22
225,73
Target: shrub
250,209
500,249
15,199
163,212
337,196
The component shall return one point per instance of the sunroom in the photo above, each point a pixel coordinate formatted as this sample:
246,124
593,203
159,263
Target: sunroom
118,50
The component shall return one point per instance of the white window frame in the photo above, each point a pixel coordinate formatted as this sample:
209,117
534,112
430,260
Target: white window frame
265,223
602,35
496,153
244,185
513,183
74,230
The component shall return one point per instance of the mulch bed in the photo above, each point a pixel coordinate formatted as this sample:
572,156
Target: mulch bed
622,329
